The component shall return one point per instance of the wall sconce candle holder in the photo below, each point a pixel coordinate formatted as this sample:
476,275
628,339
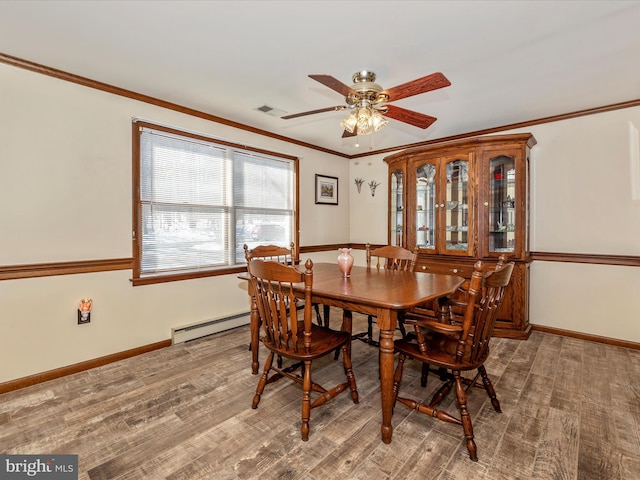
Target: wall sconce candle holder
359,182
84,312
373,185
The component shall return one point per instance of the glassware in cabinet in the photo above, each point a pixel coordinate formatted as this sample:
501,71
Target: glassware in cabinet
396,222
502,216
426,204
457,205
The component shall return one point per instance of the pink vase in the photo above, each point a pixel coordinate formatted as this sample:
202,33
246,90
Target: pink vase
345,261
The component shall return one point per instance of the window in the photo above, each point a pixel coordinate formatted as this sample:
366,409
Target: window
198,201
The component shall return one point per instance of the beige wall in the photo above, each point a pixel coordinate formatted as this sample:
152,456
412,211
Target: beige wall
65,184
599,300
582,180
582,202
65,187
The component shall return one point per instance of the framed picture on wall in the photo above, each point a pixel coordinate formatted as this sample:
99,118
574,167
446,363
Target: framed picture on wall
326,190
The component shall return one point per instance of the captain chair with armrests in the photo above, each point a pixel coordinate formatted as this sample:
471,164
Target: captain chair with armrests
457,346
448,309
299,341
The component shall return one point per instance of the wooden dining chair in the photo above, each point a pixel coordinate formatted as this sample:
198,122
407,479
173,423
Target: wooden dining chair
452,308
286,256
457,346
447,309
299,341
389,257
274,253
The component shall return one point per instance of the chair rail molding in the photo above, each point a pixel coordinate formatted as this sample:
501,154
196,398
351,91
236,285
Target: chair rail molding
591,258
13,272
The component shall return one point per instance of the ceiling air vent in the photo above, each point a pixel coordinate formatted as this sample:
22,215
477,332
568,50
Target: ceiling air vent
274,112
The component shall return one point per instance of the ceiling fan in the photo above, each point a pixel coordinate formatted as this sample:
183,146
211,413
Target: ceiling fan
370,103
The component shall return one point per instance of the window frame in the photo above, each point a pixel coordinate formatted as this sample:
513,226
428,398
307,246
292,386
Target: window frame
138,279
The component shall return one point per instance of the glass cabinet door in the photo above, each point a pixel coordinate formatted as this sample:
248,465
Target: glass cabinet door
502,204
426,206
396,223
456,206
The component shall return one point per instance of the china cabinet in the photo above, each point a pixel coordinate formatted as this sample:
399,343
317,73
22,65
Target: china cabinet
463,201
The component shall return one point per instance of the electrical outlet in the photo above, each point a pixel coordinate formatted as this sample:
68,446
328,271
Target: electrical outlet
82,319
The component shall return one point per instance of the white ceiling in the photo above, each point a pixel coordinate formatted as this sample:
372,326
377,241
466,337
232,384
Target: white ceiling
508,61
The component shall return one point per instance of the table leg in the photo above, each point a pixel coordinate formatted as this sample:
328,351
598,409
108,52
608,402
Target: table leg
347,322
255,334
386,374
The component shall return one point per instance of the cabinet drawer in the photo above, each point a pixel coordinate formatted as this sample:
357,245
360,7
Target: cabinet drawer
446,269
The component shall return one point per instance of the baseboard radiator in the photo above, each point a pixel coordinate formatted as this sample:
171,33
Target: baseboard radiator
207,327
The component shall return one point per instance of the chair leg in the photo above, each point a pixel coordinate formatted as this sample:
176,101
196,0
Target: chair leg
401,328
488,386
347,326
336,354
322,320
465,417
263,381
397,377
348,370
425,374
327,315
442,392
367,337
306,400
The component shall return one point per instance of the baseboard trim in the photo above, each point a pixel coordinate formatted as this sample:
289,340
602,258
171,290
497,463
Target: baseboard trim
98,362
585,336
79,367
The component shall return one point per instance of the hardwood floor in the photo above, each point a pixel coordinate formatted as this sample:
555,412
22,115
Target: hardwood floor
571,410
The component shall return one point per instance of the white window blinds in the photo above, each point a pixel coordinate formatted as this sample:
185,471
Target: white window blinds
201,201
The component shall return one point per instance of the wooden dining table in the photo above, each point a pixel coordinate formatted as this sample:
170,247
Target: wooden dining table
383,293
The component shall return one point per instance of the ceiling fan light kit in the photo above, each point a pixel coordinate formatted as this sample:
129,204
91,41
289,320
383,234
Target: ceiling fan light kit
367,100
364,121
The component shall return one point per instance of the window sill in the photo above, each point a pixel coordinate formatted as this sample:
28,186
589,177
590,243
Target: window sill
174,277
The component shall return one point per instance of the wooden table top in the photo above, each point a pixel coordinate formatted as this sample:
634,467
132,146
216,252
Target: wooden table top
392,289
388,289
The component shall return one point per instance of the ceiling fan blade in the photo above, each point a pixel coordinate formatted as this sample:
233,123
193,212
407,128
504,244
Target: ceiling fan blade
346,134
334,84
311,112
421,85
416,119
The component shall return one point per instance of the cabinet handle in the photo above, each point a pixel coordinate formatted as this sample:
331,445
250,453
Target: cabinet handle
442,205
424,267
486,204
436,205
455,270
